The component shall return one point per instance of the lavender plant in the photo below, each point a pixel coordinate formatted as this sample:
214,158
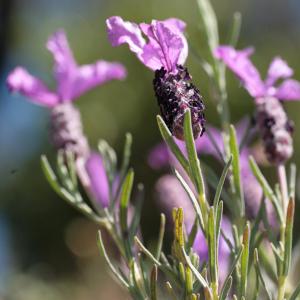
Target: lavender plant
245,253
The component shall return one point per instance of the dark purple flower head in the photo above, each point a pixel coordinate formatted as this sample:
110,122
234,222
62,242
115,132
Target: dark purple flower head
164,51
72,80
272,121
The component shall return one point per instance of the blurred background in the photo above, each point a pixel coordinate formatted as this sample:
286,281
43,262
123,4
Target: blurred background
47,250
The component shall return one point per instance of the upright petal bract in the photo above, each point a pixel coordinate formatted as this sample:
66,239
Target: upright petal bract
288,90
65,66
89,76
120,32
278,69
240,64
19,80
166,46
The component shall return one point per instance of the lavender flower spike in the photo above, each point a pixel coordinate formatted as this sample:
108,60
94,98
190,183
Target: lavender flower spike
165,51
272,121
66,127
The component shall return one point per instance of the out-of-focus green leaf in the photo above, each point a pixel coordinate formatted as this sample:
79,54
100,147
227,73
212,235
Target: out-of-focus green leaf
234,149
192,198
109,263
153,283
260,275
168,138
221,182
268,192
288,237
245,261
236,29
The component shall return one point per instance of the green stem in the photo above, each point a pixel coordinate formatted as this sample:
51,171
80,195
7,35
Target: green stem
281,287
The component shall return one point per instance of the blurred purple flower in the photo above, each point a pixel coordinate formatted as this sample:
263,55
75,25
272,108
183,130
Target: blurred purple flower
272,121
164,51
171,194
99,185
66,126
72,80
239,62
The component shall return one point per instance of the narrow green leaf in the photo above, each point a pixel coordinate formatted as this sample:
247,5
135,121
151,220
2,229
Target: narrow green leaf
192,234
125,198
233,266
199,277
221,182
212,247
188,282
210,24
168,138
288,237
171,290
193,199
218,224
161,235
226,288
194,163
234,149
109,263
268,192
259,273
126,153
245,260
124,202
135,223
153,282
236,29
296,293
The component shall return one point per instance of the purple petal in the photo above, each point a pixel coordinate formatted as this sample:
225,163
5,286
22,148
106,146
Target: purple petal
90,76
120,32
98,179
278,69
288,90
65,66
19,80
240,64
166,47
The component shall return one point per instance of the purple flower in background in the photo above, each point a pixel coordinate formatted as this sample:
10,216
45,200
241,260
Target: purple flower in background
162,47
171,194
66,126
72,80
272,121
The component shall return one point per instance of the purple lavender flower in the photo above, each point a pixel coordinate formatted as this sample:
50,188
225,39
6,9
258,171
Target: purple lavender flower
171,194
164,52
66,126
272,121
161,157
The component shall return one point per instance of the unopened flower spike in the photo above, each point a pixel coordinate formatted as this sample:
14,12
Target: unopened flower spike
165,52
273,124
66,127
